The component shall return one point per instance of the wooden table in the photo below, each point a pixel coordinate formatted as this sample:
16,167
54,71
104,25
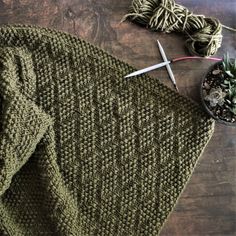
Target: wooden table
208,204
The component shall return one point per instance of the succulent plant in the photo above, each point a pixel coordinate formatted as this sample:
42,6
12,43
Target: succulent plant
229,83
219,89
215,97
229,66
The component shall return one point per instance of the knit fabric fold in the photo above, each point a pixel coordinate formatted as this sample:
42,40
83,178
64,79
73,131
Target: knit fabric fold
84,151
23,123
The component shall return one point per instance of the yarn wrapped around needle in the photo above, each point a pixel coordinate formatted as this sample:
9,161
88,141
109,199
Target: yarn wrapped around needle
204,34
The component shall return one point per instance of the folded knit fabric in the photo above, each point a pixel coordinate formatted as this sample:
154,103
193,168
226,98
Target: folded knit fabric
84,151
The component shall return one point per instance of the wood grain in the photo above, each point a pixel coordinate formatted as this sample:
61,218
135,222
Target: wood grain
208,203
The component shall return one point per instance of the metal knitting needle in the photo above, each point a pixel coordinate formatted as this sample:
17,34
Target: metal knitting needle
147,69
169,70
162,64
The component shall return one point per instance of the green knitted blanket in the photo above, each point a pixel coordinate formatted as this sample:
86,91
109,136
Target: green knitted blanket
84,151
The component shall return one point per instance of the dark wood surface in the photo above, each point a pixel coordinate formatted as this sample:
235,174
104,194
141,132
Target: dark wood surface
208,203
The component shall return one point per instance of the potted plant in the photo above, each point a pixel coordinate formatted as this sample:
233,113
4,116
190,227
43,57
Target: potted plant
218,91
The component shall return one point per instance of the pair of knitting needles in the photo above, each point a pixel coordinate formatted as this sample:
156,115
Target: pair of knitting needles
167,63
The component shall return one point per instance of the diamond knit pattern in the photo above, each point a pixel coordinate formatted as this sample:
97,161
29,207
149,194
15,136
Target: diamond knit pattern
84,151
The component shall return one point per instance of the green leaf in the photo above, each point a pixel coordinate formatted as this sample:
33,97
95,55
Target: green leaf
234,99
233,81
227,61
224,66
226,82
233,110
223,85
230,93
228,72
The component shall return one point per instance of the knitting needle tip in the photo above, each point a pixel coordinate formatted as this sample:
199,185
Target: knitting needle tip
176,87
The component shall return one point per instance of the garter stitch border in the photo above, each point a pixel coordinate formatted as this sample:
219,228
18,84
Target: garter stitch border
84,151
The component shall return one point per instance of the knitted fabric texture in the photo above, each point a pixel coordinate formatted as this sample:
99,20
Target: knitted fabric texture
84,151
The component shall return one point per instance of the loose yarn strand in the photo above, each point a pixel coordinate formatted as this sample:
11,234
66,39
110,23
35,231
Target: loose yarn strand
229,28
204,34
